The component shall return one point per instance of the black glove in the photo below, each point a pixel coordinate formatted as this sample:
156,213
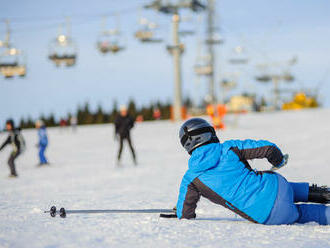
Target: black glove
284,162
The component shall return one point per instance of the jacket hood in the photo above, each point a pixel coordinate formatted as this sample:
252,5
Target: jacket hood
204,158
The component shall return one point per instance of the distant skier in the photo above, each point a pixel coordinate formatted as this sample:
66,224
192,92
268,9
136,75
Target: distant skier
15,138
221,173
43,142
123,124
73,123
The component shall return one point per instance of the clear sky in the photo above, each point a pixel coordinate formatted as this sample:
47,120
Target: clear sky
270,32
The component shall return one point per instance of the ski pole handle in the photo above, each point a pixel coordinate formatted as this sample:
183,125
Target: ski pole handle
168,216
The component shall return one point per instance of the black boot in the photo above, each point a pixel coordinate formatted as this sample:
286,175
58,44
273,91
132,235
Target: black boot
319,194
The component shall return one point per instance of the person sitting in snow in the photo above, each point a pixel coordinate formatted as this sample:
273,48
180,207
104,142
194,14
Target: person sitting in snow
43,142
16,139
221,173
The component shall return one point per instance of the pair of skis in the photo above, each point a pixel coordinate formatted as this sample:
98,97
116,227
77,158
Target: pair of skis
164,213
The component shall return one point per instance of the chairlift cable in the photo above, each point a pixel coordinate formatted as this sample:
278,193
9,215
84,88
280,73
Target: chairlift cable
75,16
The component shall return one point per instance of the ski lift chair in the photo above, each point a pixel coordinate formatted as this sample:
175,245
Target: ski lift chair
215,40
11,63
70,60
63,51
8,72
238,57
143,35
147,36
114,47
203,66
203,70
288,77
237,61
21,71
55,58
263,78
146,33
170,49
104,43
103,46
67,60
107,43
228,84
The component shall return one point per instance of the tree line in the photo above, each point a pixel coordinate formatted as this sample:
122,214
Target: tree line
85,116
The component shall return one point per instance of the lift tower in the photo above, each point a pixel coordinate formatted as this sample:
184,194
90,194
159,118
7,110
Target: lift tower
177,48
210,45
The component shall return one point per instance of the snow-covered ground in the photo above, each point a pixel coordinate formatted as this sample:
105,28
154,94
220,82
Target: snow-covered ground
83,175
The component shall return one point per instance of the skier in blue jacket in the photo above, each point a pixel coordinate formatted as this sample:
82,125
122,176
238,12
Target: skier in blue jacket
43,142
221,173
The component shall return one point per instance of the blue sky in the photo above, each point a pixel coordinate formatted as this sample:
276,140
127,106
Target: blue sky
270,32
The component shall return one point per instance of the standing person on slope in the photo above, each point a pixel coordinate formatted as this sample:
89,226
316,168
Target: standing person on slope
123,125
43,142
221,173
15,138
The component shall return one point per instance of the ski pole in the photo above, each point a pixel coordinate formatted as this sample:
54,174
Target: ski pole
63,212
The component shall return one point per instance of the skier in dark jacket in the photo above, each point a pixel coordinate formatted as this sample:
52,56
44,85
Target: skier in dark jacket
221,173
43,142
123,124
16,140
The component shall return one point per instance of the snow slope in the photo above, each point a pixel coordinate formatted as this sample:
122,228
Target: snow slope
83,175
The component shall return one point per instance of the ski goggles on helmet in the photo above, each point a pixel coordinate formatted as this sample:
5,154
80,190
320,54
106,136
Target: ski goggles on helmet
188,134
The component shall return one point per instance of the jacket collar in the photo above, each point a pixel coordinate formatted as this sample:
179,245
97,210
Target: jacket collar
204,158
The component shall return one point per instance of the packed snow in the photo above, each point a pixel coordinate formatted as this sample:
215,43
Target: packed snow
83,175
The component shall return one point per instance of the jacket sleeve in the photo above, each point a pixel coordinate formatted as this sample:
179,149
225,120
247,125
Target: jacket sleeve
7,141
132,122
117,124
187,202
17,142
252,149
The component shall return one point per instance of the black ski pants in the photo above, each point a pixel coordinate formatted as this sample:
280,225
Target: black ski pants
121,142
11,163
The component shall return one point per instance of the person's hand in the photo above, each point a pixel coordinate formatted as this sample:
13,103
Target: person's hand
284,162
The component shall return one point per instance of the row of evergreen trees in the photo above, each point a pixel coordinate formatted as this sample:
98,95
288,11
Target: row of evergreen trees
85,116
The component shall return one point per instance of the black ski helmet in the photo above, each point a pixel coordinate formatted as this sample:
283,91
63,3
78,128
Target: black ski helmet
196,132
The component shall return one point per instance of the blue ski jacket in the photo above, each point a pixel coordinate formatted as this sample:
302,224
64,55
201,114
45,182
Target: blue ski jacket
222,174
43,139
